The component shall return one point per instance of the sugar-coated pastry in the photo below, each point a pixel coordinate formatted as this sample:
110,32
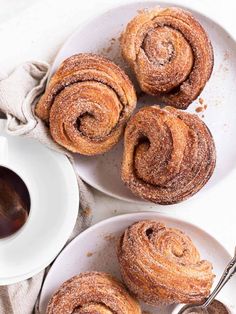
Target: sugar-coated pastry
161,265
87,104
169,154
170,53
93,293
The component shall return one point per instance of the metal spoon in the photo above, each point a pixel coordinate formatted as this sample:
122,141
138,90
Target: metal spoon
229,271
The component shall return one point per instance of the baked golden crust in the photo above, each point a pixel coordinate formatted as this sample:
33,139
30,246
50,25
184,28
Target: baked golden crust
93,292
161,265
169,154
87,104
170,53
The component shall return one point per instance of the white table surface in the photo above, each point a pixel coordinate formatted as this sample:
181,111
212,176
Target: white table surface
31,29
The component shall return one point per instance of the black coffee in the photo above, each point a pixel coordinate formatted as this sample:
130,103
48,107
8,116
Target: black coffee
14,202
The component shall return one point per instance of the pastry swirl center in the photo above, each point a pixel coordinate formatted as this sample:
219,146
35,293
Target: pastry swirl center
158,46
166,49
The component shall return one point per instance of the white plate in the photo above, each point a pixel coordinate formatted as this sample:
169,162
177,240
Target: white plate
54,206
100,35
94,249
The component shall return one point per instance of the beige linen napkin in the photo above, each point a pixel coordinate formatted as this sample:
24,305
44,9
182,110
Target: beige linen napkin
19,93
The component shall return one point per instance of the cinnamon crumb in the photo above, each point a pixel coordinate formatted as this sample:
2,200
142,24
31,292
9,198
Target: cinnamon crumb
89,254
205,106
87,212
108,49
201,100
112,40
109,237
120,37
199,109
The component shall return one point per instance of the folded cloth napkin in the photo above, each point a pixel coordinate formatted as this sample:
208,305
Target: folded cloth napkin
19,93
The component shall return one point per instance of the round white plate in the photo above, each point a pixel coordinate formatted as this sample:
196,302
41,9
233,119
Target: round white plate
95,249
54,206
101,35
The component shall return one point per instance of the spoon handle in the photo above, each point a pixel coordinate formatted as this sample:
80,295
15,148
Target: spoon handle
229,271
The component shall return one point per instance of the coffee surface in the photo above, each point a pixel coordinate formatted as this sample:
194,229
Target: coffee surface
14,202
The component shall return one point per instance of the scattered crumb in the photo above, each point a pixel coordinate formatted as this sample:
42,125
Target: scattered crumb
108,49
203,116
89,254
87,212
199,109
202,106
109,237
201,100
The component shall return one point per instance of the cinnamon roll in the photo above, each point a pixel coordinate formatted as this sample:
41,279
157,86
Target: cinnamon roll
169,155
170,53
161,265
87,104
93,292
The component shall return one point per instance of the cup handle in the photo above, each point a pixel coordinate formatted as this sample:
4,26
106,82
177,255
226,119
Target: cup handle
3,150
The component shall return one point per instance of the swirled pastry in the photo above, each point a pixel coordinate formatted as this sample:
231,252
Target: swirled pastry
161,265
87,104
169,155
90,293
170,53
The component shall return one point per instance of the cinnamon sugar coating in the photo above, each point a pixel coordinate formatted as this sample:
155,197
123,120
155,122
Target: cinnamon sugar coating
90,293
87,104
170,53
169,154
161,265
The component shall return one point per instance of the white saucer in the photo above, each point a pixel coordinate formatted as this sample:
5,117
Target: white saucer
95,249
100,35
54,207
